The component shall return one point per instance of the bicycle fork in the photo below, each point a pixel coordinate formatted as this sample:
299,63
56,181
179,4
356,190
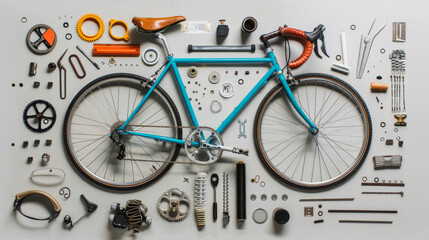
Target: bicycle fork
313,129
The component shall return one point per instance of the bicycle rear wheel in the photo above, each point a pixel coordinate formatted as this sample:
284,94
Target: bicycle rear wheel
103,106
303,160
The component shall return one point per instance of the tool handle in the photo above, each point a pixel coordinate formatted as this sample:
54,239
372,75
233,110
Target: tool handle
214,211
301,37
344,48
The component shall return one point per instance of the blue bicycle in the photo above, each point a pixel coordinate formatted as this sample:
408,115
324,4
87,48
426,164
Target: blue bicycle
311,131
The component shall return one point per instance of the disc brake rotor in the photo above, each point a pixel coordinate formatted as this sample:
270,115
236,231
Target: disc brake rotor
201,145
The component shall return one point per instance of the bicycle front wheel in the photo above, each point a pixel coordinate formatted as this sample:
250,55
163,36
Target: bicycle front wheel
99,109
303,160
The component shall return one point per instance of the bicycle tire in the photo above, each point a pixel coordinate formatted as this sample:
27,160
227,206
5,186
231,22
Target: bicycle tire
312,82
136,86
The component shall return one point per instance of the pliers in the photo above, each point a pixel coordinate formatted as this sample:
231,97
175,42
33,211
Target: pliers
365,47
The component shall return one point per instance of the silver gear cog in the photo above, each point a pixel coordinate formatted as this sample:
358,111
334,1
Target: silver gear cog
172,203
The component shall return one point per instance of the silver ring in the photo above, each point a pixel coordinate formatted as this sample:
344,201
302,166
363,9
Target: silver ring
151,59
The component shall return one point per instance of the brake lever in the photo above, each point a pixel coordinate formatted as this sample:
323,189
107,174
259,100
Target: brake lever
317,34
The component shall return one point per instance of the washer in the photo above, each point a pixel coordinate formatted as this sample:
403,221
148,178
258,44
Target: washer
215,106
150,56
227,90
260,216
214,77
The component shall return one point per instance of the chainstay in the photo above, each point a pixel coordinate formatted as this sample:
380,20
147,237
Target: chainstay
154,126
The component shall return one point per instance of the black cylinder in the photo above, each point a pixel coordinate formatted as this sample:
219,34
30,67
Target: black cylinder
241,191
249,24
281,216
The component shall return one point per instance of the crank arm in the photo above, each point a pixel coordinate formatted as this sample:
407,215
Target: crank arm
229,149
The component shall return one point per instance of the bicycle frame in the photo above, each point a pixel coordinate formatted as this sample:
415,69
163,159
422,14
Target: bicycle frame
172,64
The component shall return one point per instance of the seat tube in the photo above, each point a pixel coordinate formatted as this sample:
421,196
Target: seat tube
313,129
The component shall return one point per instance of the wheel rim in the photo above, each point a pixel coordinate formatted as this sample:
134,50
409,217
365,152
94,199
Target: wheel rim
312,161
103,107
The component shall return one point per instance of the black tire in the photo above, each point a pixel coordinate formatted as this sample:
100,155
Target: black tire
311,79
158,92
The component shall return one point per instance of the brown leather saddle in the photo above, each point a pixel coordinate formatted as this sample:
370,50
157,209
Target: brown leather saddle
152,25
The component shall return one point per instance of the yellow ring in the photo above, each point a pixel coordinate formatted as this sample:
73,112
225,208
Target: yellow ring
126,36
90,17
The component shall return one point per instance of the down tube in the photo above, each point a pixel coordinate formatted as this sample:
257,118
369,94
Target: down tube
246,99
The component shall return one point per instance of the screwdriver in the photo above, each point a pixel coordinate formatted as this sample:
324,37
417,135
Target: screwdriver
214,180
87,57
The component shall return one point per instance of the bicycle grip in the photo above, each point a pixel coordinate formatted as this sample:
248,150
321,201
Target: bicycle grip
300,36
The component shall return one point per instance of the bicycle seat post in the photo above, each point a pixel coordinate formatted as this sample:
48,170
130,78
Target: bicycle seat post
164,41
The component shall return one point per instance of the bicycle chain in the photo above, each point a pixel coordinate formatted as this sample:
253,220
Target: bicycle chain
152,126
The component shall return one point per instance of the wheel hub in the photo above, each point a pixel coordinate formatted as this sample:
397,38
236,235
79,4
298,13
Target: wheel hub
124,137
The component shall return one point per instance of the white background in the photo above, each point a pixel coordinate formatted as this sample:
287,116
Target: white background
412,219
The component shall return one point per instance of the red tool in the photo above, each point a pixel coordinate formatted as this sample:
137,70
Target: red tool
128,50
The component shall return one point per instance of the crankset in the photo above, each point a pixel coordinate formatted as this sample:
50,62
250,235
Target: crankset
205,146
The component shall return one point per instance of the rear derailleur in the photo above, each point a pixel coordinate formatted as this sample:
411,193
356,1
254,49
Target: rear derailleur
116,138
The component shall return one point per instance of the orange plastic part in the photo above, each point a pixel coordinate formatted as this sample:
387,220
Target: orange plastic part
49,36
156,24
299,36
379,87
126,50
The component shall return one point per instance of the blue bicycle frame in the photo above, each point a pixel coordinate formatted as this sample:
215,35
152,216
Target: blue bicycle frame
172,63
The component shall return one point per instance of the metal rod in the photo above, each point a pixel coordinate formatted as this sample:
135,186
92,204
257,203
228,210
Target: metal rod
360,211
400,193
384,184
364,221
325,199
87,57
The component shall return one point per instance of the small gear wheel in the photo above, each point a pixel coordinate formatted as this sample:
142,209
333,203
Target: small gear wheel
90,17
39,116
174,205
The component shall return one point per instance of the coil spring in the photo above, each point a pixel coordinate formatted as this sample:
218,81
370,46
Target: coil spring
200,189
225,192
135,212
200,198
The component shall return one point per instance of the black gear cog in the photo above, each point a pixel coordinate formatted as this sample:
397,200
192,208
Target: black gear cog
39,116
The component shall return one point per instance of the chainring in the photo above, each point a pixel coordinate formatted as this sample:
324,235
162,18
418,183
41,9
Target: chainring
39,116
171,203
205,152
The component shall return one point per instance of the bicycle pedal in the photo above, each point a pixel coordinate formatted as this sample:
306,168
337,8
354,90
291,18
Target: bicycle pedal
240,151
